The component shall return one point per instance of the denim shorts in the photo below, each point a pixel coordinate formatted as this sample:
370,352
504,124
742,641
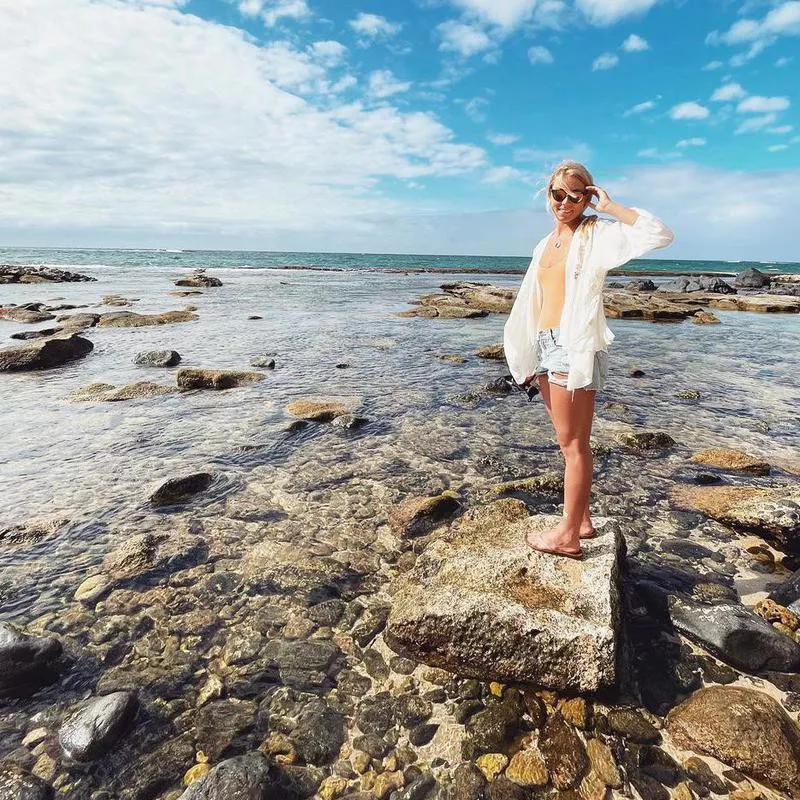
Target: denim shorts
553,359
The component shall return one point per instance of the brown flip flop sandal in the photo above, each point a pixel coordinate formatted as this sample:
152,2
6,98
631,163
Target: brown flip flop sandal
575,555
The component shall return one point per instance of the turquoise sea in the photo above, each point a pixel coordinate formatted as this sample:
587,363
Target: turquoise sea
256,259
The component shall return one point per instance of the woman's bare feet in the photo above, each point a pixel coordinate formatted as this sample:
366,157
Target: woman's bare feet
558,541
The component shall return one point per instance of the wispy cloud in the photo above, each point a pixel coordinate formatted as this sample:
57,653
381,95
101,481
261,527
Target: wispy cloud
640,108
635,44
762,105
781,20
463,38
728,92
540,55
689,110
605,61
371,27
272,12
608,12
695,141
503,139
383,83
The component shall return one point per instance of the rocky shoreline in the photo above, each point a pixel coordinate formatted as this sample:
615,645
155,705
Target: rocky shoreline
272,636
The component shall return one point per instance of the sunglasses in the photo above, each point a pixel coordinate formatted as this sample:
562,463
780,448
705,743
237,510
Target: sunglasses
559,195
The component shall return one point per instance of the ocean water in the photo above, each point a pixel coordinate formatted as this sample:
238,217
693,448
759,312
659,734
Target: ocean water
189,259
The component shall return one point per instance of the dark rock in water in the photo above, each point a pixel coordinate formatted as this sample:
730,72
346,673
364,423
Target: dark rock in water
646,441
418,516
563,752
17,784
25,315
265,361
148,554
42,334
741,727
178,490
422,734
157,358
788,593
697,283
615,285
216,379
491,730
249,777
640,285
497,386
632,725
14,274
199,280
254,317
319,734
217,725
735,635
44,354
751,278
635,372
96,728
377,714
26,662
349,421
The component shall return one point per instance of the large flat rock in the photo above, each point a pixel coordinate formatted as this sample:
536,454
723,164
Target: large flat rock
479,602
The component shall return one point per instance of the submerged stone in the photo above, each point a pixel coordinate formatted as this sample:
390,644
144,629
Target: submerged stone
26,662
17,784
741,727
216,379
479,602
44,353
95,729
178,490
418,516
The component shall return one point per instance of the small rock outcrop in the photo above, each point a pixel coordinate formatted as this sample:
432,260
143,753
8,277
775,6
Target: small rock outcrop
192,378
774,513
317,410
179,490
130,319
157,358
788,593
732,460
751,278
94,729
199,280
44,354
26,662
741,727
507,612
108,393
44,333
13,274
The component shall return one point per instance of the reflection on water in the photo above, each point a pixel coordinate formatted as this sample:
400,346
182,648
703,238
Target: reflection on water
97,463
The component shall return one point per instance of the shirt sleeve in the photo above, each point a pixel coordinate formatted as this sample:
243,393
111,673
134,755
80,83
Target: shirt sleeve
620,242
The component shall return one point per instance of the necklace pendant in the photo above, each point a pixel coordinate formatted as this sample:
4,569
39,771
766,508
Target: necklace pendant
558,244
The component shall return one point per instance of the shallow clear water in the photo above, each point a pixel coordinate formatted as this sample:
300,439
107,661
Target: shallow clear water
97,463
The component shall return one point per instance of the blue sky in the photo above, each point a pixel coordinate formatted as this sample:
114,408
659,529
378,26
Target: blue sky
411,126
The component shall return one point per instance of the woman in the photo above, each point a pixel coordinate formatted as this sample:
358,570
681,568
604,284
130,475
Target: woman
557,332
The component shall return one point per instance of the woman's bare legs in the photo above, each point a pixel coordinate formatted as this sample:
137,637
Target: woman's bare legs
572,420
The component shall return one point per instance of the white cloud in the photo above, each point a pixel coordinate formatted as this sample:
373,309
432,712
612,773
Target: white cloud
689,110
504,13
635,44
607,12
728,92
329,52
783,61
383,83
540,55
712,65
780,130
605,61
163,122
756,123
640,108
546,158
502,139
763,105
503,174
474,109
373,26
273,11
695,141
462,38
776,148
782,20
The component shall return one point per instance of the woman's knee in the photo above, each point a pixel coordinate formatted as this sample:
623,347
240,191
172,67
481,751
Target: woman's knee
573,446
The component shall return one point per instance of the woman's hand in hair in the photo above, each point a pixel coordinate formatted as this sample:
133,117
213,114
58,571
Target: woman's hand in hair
606,205
604,202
